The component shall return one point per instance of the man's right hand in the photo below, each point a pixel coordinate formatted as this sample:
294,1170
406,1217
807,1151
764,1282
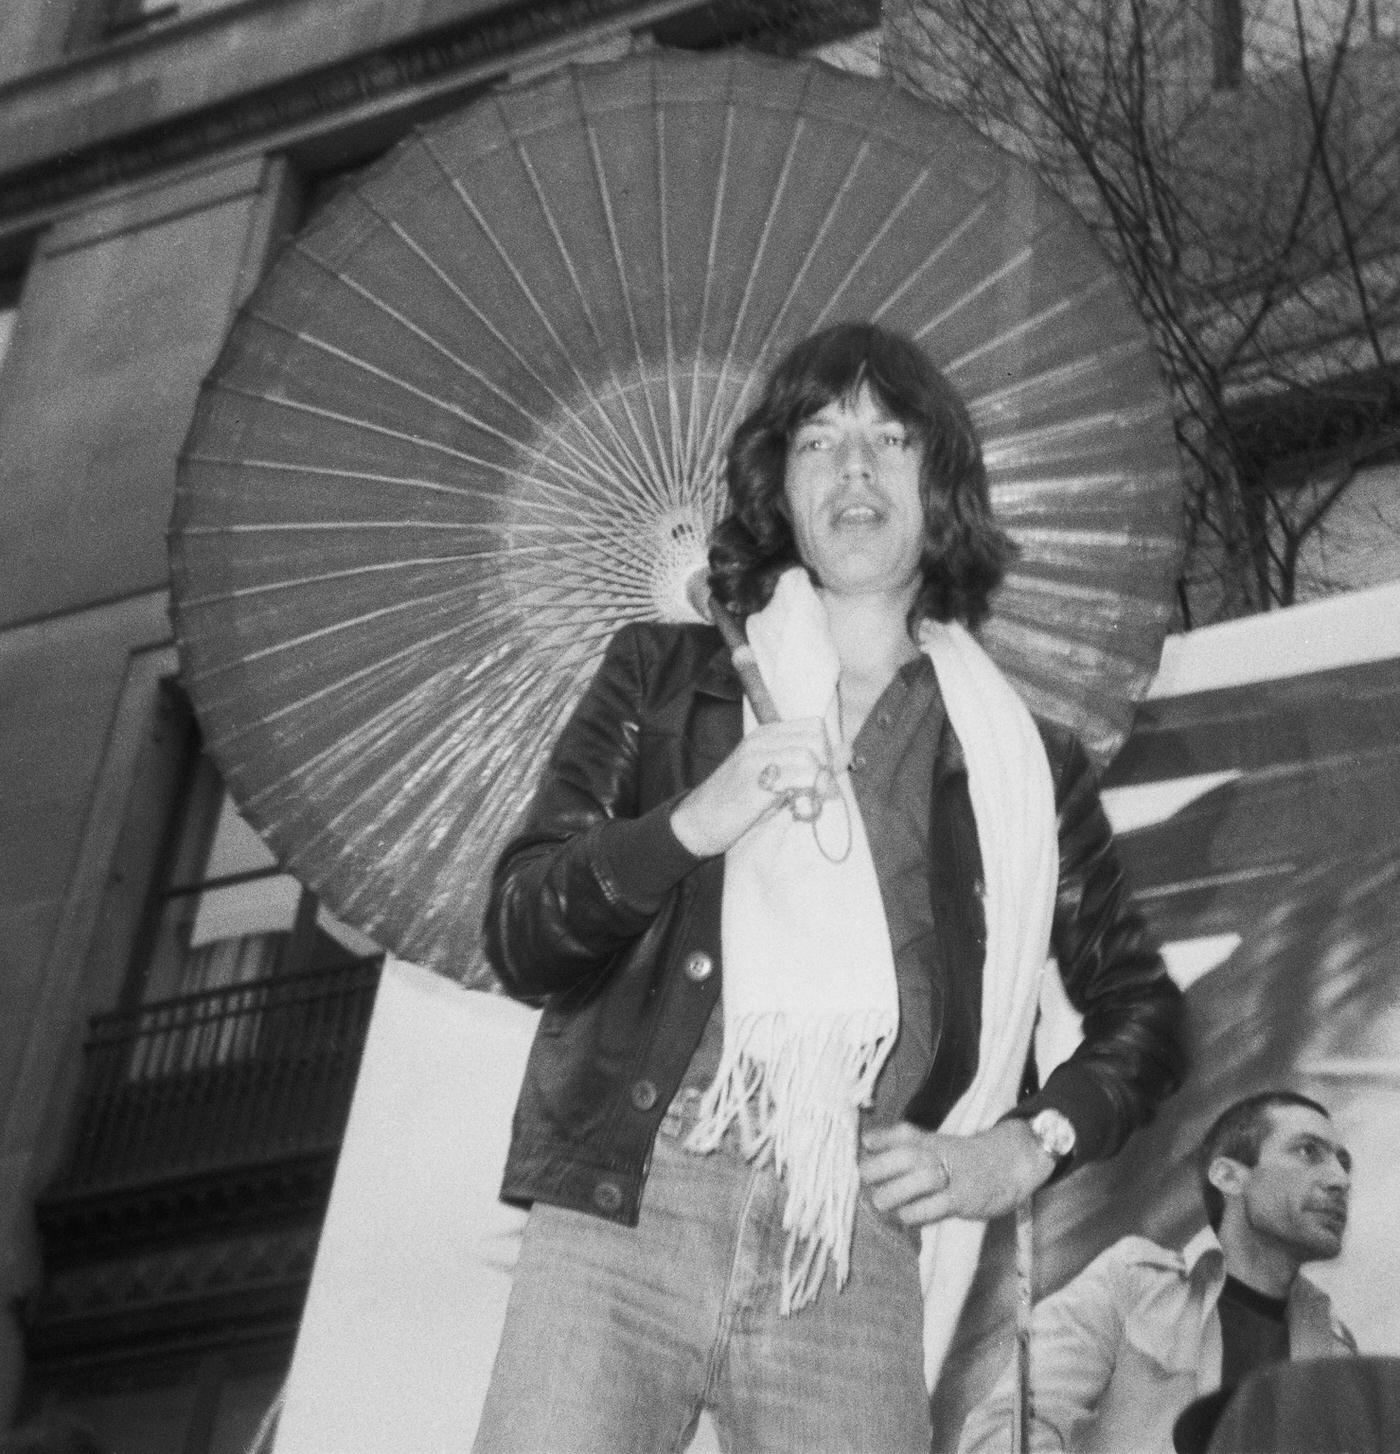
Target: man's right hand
773,761
920,1177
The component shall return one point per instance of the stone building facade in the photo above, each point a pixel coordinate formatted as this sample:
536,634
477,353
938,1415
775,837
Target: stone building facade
181,1022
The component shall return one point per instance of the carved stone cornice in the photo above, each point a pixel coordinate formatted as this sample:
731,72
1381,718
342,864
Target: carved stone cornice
212,1293
88,1228
390,84
194,1261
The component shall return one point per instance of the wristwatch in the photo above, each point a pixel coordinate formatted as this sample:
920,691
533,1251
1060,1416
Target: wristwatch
1054,1132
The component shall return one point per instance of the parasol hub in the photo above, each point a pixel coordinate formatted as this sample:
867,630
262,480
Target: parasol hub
681,558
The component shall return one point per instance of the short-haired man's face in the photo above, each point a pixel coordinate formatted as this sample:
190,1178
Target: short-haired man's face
852,487
1297,1193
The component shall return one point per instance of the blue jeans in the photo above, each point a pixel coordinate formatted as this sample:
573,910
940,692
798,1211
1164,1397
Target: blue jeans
617,1337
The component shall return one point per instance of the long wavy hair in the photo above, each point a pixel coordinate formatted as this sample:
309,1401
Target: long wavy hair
965,551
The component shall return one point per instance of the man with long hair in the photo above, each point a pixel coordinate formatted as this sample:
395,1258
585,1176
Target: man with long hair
874,856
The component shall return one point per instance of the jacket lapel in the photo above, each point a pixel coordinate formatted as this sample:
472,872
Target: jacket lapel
717,723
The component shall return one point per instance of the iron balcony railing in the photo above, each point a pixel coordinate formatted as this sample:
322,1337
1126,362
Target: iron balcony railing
256,1073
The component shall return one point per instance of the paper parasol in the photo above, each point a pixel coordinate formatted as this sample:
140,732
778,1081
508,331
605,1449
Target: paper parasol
454,438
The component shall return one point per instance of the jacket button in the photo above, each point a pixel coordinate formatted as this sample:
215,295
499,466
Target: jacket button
643,1095
698,966
607,1196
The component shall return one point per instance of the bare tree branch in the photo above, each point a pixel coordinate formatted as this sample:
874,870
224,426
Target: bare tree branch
1256,227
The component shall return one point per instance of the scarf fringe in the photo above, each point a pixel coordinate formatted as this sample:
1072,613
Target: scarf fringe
792,1086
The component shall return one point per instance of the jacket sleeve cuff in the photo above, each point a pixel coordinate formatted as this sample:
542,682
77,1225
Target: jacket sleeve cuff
1074,1092
640,860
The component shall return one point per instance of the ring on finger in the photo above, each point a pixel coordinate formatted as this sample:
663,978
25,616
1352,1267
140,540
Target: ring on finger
768,777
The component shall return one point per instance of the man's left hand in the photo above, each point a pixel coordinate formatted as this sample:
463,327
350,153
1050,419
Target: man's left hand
922,1176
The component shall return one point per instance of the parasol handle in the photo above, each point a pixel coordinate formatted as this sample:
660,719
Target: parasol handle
697,592
1025,1292
805,804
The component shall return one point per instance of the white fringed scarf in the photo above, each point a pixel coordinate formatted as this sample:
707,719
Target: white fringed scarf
811,1007
810,999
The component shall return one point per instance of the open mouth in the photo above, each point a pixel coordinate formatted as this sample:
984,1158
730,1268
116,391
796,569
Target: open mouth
857,515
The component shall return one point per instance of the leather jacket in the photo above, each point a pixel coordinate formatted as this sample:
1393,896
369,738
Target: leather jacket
598,914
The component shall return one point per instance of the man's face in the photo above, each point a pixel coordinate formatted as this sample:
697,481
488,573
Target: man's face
852,486
1297,1193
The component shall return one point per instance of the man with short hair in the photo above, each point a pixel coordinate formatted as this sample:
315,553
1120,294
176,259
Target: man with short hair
1119,1353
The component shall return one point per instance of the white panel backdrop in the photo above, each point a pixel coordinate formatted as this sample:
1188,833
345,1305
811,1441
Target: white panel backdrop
413,1270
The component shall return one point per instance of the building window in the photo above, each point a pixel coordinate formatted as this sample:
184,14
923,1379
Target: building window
1327,462
227,913
222,912
212,954
225,922
1358,545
